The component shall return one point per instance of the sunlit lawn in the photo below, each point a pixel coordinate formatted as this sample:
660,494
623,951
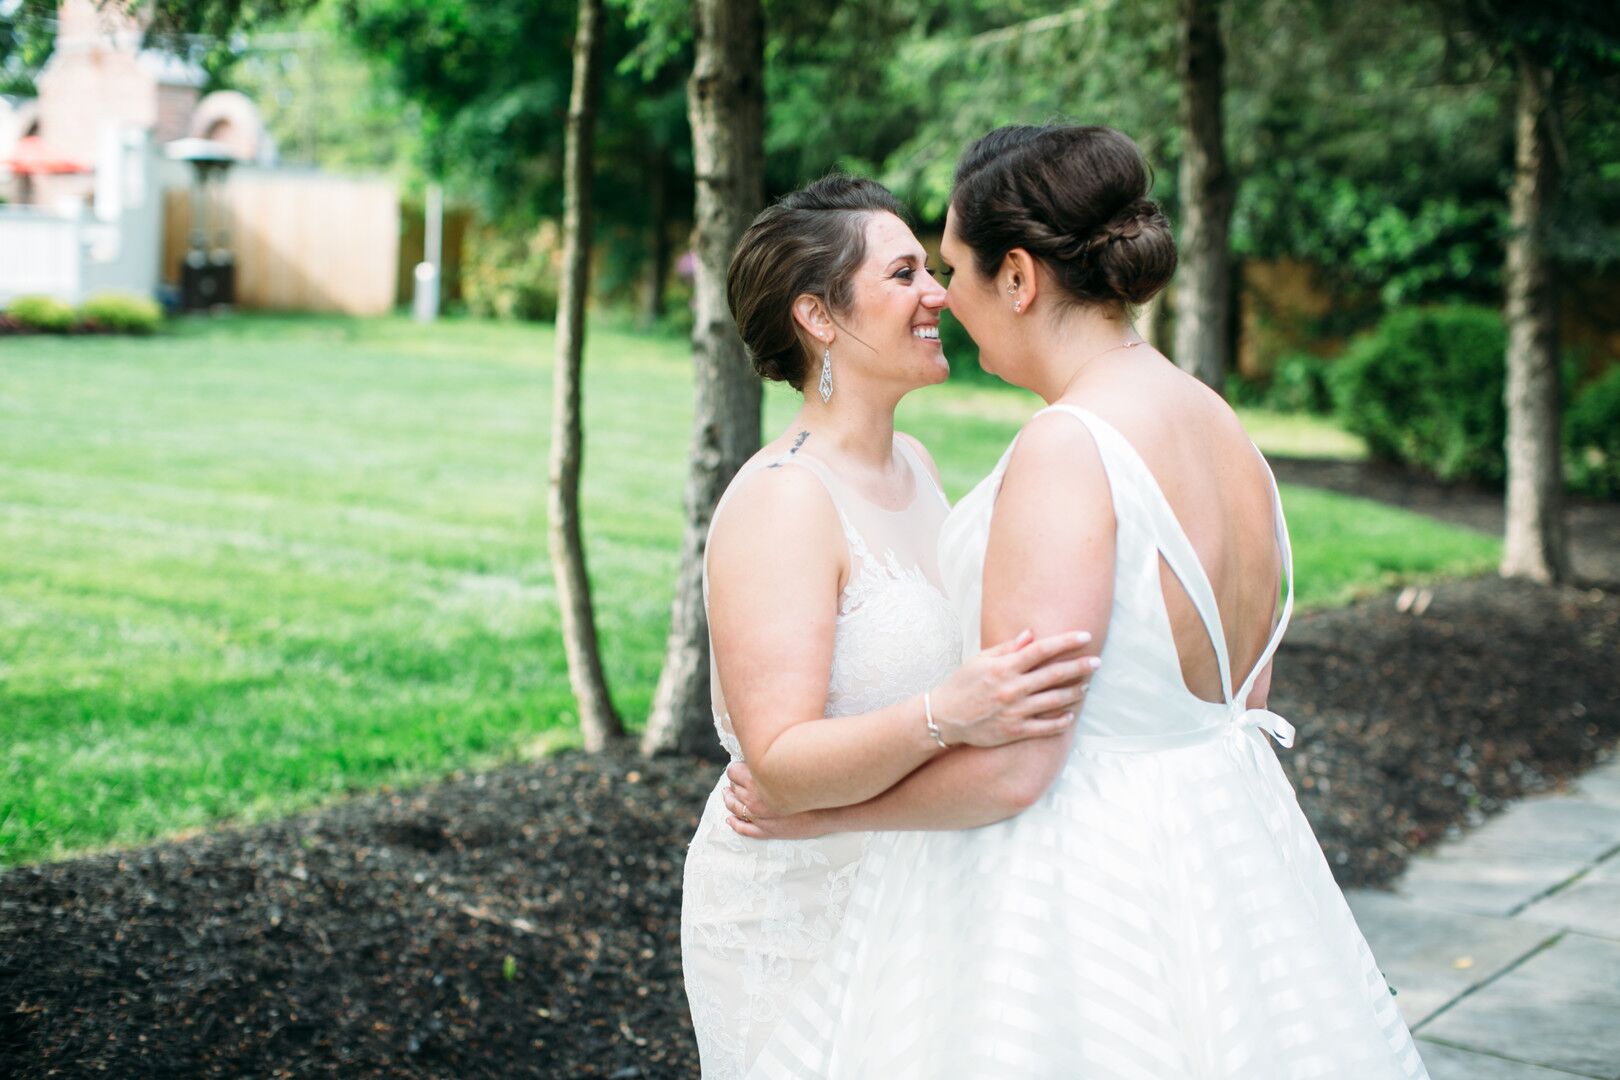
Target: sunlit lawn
256,563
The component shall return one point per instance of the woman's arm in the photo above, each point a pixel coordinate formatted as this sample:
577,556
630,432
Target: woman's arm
1049,563
776,559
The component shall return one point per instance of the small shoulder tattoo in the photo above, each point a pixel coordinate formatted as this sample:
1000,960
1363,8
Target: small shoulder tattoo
798,441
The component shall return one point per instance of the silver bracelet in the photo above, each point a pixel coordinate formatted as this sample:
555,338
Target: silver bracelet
933,728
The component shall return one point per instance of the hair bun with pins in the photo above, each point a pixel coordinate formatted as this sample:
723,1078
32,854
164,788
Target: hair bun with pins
1073,196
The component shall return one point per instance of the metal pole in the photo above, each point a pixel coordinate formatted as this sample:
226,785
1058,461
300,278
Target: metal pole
425,304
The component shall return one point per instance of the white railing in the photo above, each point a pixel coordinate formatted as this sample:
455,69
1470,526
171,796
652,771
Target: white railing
40,252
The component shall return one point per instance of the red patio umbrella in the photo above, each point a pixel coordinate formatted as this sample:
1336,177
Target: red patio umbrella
31,157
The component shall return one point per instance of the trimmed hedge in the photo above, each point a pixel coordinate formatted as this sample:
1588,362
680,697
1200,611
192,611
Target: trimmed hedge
1424,388
42,314
121,313
104,313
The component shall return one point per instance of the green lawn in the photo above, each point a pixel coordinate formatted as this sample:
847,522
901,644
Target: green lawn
257,563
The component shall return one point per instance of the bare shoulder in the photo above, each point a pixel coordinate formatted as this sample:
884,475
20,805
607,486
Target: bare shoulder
775,516
922,452
1053,437
1055,456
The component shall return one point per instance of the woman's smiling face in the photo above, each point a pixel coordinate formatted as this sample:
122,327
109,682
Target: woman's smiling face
894,308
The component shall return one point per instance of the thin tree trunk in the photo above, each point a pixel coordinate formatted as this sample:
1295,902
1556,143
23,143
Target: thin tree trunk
1203,338
1536,545
726,105
598,722
655,273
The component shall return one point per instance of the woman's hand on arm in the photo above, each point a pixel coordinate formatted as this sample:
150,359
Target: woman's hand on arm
1049,564
775,562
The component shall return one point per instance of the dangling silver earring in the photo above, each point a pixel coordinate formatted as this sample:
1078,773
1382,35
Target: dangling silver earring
826,374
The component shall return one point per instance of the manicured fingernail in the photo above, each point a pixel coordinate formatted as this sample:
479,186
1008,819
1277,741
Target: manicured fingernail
1096,662
1082,637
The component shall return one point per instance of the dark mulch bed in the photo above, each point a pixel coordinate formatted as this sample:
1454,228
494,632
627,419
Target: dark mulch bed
372,939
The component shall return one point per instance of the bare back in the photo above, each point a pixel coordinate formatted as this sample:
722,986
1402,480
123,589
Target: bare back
1220,492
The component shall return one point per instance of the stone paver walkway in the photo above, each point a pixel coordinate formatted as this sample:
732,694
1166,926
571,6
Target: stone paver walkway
1504,945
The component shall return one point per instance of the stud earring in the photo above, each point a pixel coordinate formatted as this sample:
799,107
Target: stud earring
1018,305
826,374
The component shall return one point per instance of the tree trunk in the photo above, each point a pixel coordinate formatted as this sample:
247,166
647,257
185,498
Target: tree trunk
655,273
726,105
1203,338
598,722
1536,544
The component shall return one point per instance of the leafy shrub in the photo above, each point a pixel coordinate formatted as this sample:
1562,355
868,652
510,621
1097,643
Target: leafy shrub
1301,384
1424,388
1592,437
44,314
1243,392
512,274
121,313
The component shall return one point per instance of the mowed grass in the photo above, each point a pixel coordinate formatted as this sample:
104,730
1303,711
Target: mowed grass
258,563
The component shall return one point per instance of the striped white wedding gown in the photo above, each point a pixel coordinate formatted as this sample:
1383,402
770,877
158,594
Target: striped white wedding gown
1163,913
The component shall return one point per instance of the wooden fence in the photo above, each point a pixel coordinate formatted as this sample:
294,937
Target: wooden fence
302,241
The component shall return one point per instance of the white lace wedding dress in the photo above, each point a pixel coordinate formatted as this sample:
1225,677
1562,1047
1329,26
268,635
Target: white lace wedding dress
1162,913
756,915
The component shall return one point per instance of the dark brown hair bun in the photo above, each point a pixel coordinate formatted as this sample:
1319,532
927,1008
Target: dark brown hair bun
1074,196
809,242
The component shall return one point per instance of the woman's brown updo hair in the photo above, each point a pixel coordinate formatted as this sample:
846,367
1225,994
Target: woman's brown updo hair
809,243
1075,197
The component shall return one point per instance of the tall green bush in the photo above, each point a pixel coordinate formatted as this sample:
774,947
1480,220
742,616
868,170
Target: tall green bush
1592,436
1424,388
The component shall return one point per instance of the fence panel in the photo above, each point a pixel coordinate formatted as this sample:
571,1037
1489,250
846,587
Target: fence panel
303,241
39,253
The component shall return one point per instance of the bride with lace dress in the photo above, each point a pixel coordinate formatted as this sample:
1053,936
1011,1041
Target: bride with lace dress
837,665
1157,907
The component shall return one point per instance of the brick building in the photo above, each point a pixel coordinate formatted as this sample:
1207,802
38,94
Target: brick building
99,75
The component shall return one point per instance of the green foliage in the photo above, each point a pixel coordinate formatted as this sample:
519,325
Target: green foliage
27,35
1298,384
325,102
120,313
1592,437
44,314
1302,384
1425,389
1242,392
507,274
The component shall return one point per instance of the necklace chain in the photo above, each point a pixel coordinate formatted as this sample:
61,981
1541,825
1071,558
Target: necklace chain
1087,362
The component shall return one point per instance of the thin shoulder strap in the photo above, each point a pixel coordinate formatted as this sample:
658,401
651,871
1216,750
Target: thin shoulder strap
1285,548
1122,459
924,476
